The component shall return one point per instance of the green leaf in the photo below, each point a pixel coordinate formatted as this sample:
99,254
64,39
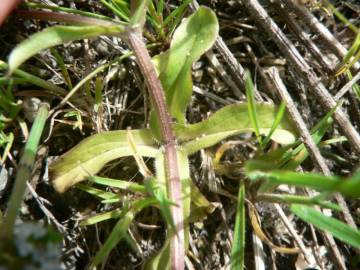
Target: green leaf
231,120
60,61
238,247
191,39
87,158
124,185
90,155
120,231
55,36
36,80
287,159
176,15
6,142
348,187
163,201
250,97
138,10
351,186
337,228
117,213
120,8
298,199
345,65
292,160
98,192
279,116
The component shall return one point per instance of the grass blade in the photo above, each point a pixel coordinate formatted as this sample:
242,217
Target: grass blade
238,247
297,199
176,15
122,13
52,88
24,172
138,8
349,187
337,228
120,231
287,159
279,116
252,107
117,213
345,65
124,185
6,142
162,200
98,192
292,160
64,71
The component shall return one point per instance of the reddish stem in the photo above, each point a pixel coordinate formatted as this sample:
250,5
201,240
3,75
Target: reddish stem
177,246
63,17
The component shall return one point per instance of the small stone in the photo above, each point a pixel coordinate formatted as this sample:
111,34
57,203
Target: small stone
4,178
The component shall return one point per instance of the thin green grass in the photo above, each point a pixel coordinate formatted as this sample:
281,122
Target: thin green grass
250,96
24,172
238,245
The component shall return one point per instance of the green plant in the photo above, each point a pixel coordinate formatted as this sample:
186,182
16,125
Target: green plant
170,144
192,38
22,244
353,54
9,110
23,174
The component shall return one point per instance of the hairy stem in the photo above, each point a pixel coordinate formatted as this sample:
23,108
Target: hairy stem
177,246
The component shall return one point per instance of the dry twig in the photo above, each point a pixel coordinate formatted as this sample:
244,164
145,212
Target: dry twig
303,70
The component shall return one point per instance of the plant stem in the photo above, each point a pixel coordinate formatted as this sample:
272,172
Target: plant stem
66,18
177,246
24,173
